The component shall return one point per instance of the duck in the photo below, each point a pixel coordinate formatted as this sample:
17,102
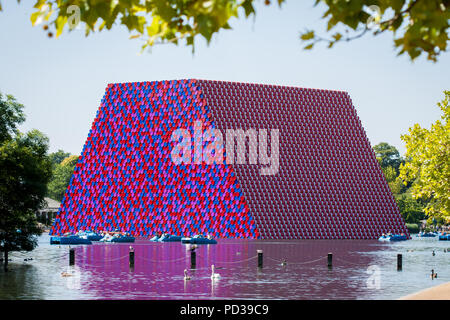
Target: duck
214,276
186,276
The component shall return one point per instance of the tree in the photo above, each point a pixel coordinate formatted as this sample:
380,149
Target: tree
389,173
24,173
387,155
418,26
411,210
397,187
58,156
61,177
427,163
11,115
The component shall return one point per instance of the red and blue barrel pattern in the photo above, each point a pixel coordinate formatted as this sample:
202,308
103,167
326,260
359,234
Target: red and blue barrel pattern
329,184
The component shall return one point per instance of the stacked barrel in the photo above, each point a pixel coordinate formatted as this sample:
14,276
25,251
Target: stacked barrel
328,185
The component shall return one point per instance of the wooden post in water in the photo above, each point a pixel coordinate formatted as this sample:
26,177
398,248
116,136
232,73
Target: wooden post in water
399,262
131,257
260,258
71,256
193,258
330,260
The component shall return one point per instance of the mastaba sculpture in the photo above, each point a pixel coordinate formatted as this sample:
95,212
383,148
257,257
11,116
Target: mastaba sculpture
233,160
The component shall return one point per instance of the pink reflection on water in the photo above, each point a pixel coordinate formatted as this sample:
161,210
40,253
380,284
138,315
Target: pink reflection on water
158,270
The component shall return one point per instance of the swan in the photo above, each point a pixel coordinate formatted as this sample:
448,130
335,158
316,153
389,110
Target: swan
186,277
214,276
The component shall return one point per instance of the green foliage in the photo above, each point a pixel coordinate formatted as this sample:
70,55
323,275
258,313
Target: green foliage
389,159
418,26
397,187
428,165
388,156
58,156
413,227
389,173
411,210
11,115
25,170
62,174
153,21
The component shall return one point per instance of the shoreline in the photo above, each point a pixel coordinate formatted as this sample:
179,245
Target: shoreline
438,292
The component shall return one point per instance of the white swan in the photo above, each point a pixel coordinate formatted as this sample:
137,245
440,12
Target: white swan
214,276
186,277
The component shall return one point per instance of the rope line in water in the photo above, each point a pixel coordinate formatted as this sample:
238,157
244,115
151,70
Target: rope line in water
239,261
297,263
158,261
104,260
346,261
203,268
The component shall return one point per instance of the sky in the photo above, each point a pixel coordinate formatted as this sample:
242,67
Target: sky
62,81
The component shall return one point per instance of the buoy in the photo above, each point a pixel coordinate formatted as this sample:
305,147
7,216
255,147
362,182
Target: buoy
214,276
260,258
131,257
186,277
399,262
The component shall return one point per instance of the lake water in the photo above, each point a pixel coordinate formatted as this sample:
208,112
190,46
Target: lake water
361,270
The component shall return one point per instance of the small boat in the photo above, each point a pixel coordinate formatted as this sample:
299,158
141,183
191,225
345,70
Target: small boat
427,234
444,237
155,239
71,239
118,237
123,239
90,235
393,237
198,239
169,238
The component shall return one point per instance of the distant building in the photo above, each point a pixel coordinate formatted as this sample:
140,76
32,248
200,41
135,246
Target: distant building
48,213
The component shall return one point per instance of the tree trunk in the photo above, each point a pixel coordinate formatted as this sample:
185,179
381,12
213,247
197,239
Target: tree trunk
5,265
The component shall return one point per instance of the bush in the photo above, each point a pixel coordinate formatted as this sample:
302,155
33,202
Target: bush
413,227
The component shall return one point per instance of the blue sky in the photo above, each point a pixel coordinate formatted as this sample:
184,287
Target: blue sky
61,81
